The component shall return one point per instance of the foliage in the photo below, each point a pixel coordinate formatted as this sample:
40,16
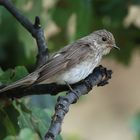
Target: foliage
12,75
15,117
32,122
21,120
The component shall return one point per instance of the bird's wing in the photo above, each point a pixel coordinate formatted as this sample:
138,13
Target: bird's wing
59,62
64,59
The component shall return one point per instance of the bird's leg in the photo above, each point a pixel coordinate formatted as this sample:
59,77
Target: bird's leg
106,77
73,91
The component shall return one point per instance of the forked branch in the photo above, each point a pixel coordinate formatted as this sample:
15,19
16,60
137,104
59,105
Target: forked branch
35,30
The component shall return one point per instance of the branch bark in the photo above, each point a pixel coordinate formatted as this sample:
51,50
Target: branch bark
35,30
99,77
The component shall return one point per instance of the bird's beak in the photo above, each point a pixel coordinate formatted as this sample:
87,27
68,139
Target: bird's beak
116,47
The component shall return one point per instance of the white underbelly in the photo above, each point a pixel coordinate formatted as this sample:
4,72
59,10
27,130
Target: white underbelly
78,73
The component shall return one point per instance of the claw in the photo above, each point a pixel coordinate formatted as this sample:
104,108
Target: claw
106,75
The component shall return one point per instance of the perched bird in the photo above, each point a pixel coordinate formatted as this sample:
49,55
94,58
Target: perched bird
72,63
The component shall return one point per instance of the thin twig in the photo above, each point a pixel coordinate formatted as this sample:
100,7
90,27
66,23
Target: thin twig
35,30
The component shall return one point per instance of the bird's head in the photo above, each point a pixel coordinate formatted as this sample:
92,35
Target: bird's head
104,40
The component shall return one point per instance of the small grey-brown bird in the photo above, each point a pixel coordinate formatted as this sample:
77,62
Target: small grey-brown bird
72,63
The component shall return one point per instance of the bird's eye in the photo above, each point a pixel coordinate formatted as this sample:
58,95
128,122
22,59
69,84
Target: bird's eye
104,39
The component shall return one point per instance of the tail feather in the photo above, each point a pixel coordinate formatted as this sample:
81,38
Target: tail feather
26,81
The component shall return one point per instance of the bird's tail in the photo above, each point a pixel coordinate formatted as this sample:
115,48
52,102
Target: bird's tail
26,81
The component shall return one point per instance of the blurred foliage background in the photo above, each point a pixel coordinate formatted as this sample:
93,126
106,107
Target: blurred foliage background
63,21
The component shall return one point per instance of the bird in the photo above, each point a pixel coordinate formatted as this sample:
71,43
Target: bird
72,63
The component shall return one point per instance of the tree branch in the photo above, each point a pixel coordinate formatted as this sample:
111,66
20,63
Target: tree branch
35,30
99,77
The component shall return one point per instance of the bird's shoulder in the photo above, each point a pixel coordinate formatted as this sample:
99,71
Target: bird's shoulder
73,48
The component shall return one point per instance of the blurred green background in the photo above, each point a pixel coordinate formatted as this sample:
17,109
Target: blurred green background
65,21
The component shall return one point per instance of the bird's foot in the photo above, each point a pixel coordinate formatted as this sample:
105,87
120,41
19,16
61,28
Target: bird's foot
106,75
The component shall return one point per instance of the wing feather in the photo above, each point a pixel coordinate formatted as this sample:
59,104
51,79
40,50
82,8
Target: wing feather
59,62
26,81
64,59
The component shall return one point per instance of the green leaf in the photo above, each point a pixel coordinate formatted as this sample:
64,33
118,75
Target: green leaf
38,120
8,120
28,134
5,77
136,123
25,134
19,72
12,75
